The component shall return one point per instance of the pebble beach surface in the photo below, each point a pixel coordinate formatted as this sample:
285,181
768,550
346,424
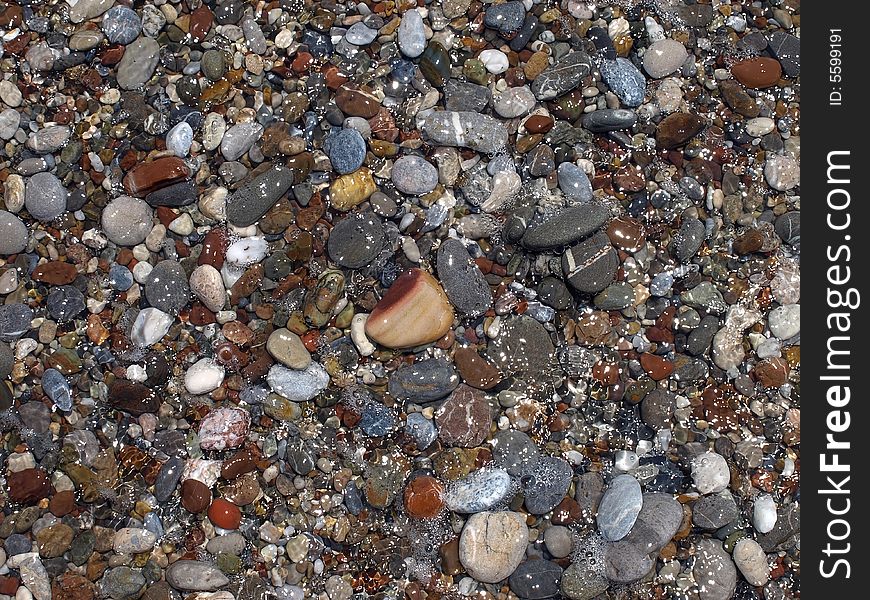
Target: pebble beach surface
399,299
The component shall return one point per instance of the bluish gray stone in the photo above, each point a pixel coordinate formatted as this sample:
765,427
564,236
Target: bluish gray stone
167,288
45,197
55,386
377,420
469,129
255,198
138,63
414,175
624,80
568,226
346,149
787,50
465,96
591,265
411,35
121,25
506,17
619,507
424,381
562,76
167,478
13,233
480,490
298,386
420,428
239,138
688,239
64,302
547,484
360,35
609,119
574,182
14,321
462,279
515,451
536,579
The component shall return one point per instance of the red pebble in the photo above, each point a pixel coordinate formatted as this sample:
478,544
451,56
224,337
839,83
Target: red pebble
224,514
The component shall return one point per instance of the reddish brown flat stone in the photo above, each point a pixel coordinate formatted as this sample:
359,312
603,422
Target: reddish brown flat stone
424,497
656,367
200,23
55,273
757,73
147,177
28,486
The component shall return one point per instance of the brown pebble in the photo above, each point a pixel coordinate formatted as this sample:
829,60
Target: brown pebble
28,486
677,129
757,73
55,272
195,496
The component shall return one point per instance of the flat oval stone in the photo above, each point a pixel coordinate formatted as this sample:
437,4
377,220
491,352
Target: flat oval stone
659,520
751,561
356,240
625,80
506,17
570,225
150,176
254,199
523,347
411,35
492,545
121,25
196,576
562,76
13,233
574,182
714,566
167,288
664,57
298,386
45,197
757,73
414,175
591,265
546,485
619,507
346,150
472,130
688,240
609,119
536,579
463,281
424,381
239,138
138,63
480,490
127,221
678,128
414,311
